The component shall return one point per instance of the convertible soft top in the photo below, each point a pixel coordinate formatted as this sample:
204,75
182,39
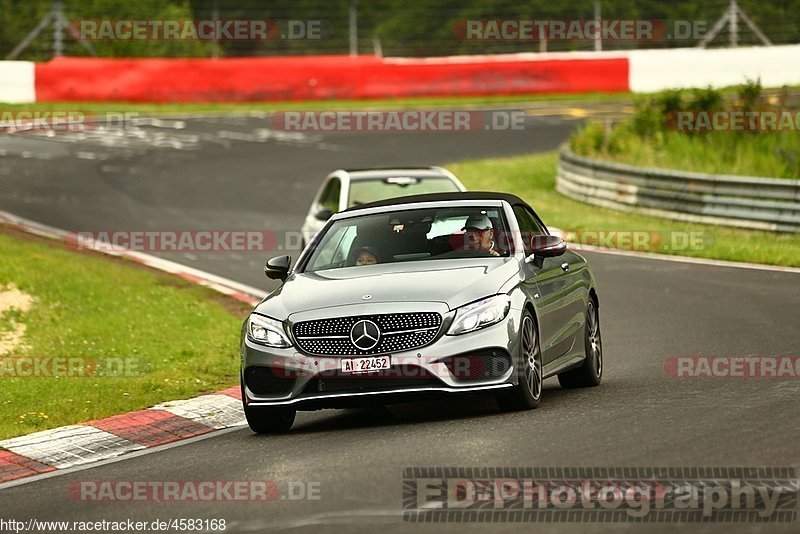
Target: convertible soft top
438,197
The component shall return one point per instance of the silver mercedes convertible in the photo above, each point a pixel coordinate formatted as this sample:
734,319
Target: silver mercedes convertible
419,297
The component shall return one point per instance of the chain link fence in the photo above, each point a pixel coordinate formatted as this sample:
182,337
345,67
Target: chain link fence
388,27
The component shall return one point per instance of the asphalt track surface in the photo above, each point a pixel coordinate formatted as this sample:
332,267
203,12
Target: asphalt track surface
227,173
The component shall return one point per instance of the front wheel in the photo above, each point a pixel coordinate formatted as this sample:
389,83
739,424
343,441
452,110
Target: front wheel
590,373
269,420
528,391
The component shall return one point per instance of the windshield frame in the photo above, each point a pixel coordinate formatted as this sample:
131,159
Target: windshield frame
508,216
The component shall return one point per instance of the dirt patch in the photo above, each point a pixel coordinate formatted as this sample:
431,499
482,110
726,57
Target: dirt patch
12,298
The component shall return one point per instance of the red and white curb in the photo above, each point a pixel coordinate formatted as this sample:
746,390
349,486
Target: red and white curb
104,439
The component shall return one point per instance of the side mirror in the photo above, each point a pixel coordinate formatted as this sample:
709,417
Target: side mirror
278,268
323,214
546,246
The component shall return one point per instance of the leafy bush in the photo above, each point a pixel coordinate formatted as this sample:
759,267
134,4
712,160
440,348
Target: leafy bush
649,138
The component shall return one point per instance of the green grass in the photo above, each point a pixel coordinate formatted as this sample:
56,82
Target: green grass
650,137
322,105
775,154
533,178
182,338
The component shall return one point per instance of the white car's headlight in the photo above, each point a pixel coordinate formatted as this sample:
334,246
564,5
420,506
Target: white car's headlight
479,314
266,331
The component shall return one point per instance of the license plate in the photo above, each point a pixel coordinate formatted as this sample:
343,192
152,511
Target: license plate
365,365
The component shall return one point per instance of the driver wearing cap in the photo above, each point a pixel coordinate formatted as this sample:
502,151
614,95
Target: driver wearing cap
479,234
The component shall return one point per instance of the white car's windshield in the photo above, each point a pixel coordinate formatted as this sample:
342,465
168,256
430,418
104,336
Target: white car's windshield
424,234
363,191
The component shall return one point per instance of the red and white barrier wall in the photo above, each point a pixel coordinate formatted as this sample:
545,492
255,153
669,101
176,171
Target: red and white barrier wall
316,78
679,68
17,82
343,77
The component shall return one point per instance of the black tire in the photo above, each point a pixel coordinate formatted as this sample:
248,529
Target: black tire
528,391
269,420
590,373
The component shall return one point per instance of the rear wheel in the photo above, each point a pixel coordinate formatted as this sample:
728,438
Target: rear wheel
528,391
591,372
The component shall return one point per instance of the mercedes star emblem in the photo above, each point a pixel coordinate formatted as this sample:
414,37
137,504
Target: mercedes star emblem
365,335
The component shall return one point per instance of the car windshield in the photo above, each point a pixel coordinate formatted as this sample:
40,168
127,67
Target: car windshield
370,190
413,235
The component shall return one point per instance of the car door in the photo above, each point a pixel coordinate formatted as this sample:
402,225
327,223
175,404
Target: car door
553,291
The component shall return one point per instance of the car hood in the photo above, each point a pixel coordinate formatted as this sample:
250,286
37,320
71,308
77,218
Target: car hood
452,282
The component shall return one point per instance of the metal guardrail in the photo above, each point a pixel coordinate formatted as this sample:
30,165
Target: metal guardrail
742,201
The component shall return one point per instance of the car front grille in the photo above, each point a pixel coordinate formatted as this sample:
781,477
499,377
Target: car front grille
398,332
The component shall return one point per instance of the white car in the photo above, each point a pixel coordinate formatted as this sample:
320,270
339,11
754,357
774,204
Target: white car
344,189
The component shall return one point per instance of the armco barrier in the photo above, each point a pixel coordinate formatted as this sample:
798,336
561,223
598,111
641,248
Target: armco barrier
741,201
320,78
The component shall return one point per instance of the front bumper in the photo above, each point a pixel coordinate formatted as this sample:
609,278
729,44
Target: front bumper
449,365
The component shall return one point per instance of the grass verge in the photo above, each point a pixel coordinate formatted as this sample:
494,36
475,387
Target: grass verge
153,337
656,136
321,105
533,179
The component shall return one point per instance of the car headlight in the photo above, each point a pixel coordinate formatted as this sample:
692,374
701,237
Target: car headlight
266,331
480,314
